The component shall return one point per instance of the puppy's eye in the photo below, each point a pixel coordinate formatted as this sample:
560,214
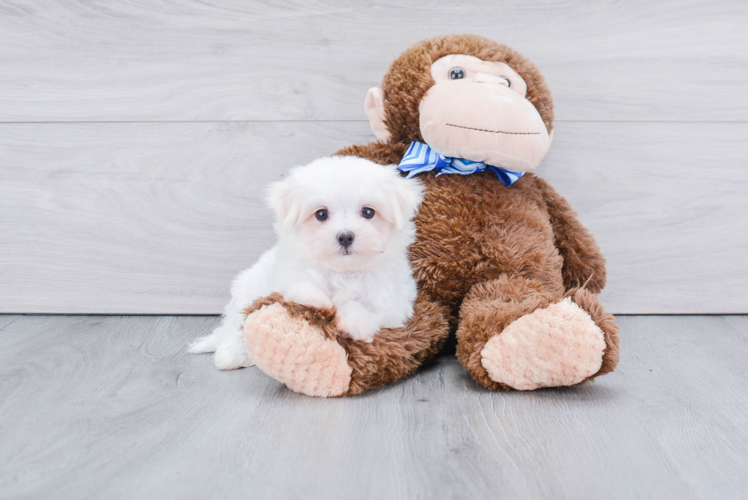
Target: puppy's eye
322,214
367,213
456,73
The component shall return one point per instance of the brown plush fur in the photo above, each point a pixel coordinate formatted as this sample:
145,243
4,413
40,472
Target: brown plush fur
483,246
490,307
607,324
397,352
323,319
409,77
393,354
485,254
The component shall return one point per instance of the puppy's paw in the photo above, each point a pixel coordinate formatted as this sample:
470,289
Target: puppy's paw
356,322
355,332
308,295
231,355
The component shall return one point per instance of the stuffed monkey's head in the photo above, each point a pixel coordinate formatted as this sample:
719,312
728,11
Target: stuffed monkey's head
466,97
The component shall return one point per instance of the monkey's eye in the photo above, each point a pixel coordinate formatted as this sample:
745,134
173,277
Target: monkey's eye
322,214
456,73
508,83
367,213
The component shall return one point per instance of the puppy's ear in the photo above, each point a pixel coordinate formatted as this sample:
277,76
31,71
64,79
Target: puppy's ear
281,198
407,195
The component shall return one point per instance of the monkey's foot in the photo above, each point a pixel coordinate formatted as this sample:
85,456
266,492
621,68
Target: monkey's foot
291,350
559,345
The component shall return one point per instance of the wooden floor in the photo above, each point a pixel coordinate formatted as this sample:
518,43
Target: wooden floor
112,407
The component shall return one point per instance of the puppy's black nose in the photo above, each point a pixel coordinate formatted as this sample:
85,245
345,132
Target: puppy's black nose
345,238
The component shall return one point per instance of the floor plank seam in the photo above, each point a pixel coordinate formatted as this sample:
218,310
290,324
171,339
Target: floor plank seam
6,326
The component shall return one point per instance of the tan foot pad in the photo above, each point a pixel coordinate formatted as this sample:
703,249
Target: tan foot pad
556,346
290,350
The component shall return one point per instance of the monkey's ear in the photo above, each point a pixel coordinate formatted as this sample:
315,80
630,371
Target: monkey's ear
374,108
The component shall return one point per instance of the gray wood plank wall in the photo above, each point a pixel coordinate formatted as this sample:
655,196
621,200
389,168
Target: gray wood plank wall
136,137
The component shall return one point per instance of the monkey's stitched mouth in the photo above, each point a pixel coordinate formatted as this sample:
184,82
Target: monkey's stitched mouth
492,131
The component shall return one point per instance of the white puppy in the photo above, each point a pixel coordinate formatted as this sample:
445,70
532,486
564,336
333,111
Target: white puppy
343,226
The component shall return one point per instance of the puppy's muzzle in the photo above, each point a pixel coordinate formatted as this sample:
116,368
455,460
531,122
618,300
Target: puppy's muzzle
345,240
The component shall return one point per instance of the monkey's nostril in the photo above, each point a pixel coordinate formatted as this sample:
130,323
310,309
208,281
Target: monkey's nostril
345,238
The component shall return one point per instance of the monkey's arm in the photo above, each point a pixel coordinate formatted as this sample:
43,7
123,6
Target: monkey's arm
583,260
301,347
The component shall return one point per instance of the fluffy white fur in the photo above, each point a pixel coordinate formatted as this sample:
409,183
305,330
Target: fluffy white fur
369,282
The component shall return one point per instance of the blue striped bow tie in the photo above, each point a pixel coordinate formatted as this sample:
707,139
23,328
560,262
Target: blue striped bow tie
421,158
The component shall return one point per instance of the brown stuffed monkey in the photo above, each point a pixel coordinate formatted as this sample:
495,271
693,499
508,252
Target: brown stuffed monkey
500,258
